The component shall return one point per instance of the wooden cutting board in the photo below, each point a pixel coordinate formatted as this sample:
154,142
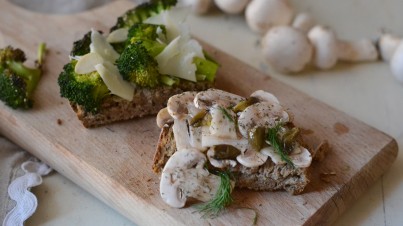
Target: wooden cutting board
114,162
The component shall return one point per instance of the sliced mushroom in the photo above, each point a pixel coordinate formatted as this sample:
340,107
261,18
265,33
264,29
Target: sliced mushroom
263,114
265,96
219,163
179,105
300,156
195,138
209,140
252,158
181,134
275,157
207,99
163,118
222,123
184,176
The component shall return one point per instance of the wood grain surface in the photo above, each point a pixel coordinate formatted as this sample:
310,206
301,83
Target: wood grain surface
114,162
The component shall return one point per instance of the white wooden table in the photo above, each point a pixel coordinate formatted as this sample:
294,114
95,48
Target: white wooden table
366,91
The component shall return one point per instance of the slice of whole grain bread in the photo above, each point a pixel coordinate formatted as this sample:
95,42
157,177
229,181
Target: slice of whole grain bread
146,101
268,177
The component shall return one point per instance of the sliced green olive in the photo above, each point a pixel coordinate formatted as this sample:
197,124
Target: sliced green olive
256,138
226,152
289,139
203,118
241,106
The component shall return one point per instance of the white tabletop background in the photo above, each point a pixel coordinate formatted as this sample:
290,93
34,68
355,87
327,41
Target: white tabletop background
365,91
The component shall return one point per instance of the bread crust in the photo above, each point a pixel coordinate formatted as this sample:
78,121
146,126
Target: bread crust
145,102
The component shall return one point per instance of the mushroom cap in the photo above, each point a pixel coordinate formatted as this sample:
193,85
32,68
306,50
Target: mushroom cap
286,49
388,44
324,42
197,6
261,15
208,98
182,160
396,63
304,22
231,6
163,118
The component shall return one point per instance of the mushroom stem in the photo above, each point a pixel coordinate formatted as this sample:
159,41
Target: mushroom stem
328,49
387,45
357,51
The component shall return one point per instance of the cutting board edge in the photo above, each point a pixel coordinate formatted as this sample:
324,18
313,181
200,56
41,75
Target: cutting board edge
353,189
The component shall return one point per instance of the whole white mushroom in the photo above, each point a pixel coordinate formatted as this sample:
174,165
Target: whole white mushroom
286,49
388,44
197,6
231,6
325,47
328,49
396,63
261,15
303,22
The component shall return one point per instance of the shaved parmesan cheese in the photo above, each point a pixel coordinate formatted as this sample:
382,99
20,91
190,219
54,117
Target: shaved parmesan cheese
177,58
172,20
86,64
102,47
114,81
119,35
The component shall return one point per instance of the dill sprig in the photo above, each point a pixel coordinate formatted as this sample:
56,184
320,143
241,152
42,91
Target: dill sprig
221,199
228,115
272,137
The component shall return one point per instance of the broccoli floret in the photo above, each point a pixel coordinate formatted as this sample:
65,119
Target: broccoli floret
17,82
82,46
136,65
147,35
142,12
86,90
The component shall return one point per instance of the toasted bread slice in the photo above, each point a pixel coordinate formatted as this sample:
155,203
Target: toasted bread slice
253,138
268,177
146,101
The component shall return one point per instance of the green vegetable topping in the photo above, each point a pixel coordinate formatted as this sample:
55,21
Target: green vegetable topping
206,67
198,118
241,106
87,90
221,199
137,66
256,138
142,12
18,82
278,145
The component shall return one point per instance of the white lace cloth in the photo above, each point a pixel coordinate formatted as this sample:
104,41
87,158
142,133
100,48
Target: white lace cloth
19,192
